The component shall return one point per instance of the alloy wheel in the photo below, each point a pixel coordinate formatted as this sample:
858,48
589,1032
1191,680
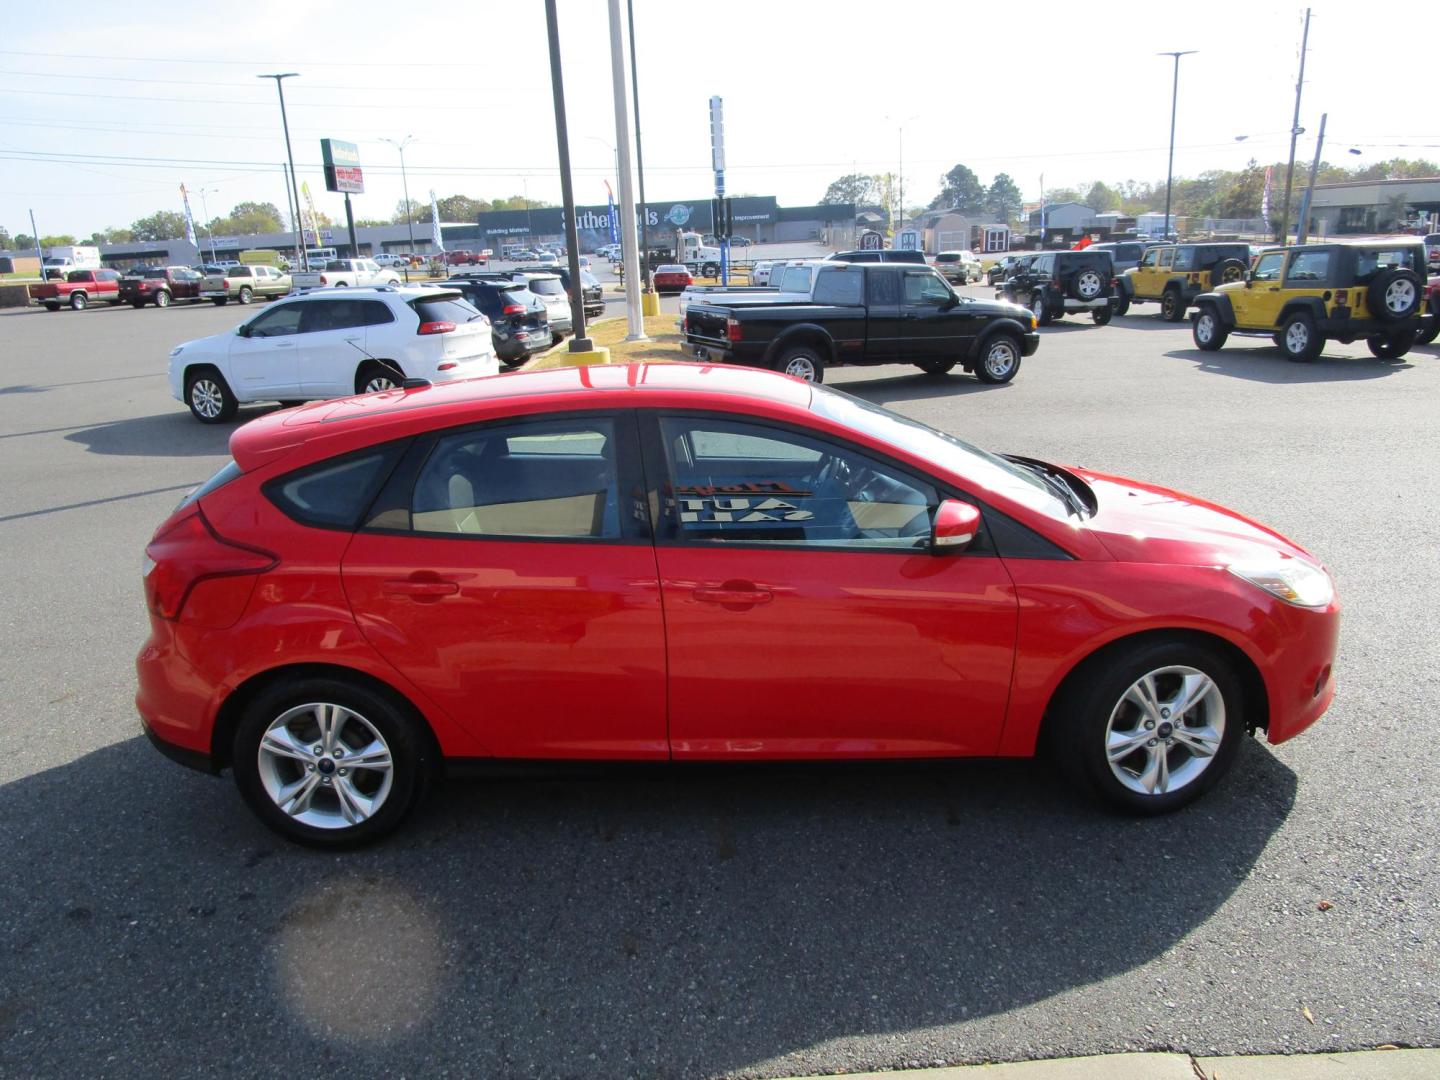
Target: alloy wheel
207,398
802,367
1400,297
1297,338
1088,285
1205,327
325,766
1000,359
379,382
1165,730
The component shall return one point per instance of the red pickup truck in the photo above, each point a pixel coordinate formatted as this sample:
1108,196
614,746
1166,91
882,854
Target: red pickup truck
160,285
80,289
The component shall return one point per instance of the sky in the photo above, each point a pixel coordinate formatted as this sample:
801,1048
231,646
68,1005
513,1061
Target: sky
105,109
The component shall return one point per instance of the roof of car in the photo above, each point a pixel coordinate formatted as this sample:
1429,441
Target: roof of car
387,414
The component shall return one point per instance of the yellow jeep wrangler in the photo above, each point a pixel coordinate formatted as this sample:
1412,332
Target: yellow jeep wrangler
1303,296
1174,274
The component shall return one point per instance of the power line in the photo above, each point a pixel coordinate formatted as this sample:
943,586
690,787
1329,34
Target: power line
246,102
245,63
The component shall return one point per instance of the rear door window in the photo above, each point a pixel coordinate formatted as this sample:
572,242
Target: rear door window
323,315
453,309
883,287
1308,266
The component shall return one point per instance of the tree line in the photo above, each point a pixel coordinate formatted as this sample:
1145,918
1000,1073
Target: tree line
249,218
1216,193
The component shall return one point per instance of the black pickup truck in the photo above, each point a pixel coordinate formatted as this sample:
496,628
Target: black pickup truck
867,313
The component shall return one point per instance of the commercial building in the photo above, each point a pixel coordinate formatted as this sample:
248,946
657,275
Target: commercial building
1374,206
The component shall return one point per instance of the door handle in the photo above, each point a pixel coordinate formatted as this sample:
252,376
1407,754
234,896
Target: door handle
908,315
352,339
284,345
429,589
733,592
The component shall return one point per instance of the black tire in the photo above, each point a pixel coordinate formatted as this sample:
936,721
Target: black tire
137,304
937,367
373,376
1093,713
1087,284
1208,330
162,298
79,301
1279,340
1226,271
413,757
1395,295
1391,346
999,360
1172,308
52,307
1432,329
1299,340
1041,309
803,362
209,396
710,270
1121,304
246,294
219,301
290,403
1102,315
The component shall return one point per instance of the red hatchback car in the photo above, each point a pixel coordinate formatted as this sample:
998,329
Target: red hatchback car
685,562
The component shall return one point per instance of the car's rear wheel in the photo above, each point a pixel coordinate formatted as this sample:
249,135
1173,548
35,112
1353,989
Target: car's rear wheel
937,367
374,376
330,763
219,301
1150,729
137,304
1432,329
162,299
1209,332
52,307
803,362
1299,340
209,396
79,301
1391,346
1040,308
1102,315
999,361
246,295
1172,309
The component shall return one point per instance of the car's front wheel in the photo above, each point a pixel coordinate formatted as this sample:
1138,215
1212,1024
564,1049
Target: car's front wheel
1151,728
330,763
999,361
1122,303
1040,308
1209,332
209,396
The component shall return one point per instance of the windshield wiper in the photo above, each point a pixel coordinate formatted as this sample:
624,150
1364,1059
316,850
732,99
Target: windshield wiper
1054,482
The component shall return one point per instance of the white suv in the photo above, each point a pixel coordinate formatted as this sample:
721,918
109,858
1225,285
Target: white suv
331,343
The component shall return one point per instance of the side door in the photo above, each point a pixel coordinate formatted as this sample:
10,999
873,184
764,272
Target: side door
1146,278
185,284
507,570
263,360
331,346
884,323
805,614
1257,305
936,325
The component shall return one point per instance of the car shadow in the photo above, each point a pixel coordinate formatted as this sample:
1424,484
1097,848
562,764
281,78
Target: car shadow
1147,321
918,386
172,434
1267,364
652,923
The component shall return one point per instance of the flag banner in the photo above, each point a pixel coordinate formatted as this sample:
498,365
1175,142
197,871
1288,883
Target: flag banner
614,220
189,218
314,219
1265,201
435,236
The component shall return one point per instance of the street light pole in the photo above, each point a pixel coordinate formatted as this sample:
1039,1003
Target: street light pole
1170,165
580,343
1295,130
628,242
405,187
205,205
294,189
639,153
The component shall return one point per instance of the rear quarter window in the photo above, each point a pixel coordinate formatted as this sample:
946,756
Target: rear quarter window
446,309
332,494
840,287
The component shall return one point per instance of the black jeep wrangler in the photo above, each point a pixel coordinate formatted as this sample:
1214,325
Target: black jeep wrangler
1057,283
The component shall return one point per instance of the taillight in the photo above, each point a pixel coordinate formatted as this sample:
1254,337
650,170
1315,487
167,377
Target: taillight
436,327
732,329
323,280
513,309
198,574
225,284
1342,296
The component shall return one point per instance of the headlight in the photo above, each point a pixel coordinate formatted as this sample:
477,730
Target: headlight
177,350
1292,580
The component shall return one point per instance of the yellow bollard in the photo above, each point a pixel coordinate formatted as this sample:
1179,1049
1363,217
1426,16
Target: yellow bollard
650,303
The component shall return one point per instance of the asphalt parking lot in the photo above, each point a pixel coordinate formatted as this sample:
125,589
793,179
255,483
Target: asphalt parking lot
756,923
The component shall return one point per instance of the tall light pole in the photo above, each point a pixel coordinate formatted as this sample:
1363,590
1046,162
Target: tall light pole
899,217
629,242
581,342
294,189
639,152
1170,165
405,187
208,230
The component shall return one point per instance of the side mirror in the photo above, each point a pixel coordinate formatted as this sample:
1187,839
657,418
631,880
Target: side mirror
1249,277
243,330
955,526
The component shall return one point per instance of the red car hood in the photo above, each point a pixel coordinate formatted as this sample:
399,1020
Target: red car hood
1138,522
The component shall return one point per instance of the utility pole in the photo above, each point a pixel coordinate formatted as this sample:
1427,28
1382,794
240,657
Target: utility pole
39,254
208,230
290,205
294,190
405,188
628,243
579,343
1295,130
1170,167
639,153
1303,227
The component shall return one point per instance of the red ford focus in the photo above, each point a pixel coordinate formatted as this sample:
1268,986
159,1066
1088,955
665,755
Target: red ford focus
681,562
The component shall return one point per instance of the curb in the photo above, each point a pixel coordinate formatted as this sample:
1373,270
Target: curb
1387,1064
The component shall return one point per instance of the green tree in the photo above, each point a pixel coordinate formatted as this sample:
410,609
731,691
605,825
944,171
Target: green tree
7,242
460,208
24,242
417,212
60,240
248,218
1101,197
857,188
161,225
960,188
1062,194
1003,200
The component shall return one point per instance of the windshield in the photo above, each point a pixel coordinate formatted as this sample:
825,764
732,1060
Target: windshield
979,467
547,286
